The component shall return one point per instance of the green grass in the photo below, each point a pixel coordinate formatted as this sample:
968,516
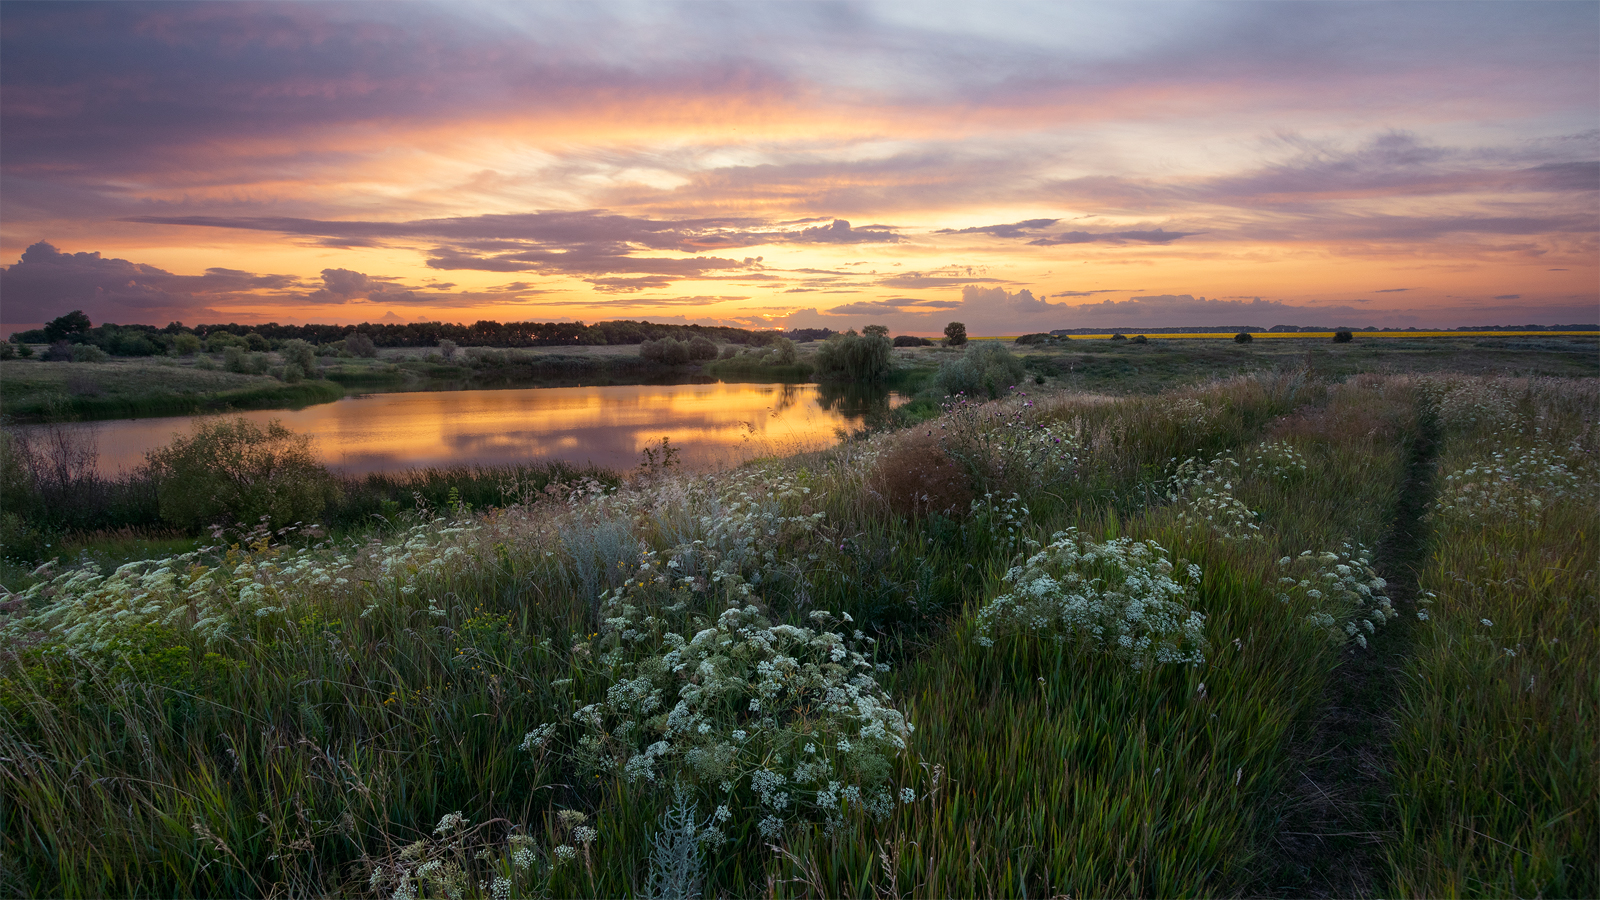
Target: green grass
32,390
362,691
1497,775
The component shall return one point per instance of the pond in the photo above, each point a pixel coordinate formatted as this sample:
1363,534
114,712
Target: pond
712,425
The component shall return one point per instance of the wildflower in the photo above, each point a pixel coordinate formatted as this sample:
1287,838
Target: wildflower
566,853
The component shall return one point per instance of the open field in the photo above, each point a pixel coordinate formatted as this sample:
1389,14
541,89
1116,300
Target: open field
1061,644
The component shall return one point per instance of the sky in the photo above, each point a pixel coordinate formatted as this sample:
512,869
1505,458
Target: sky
1017,167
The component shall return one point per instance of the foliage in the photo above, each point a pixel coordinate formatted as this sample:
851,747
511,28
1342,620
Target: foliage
235,471
361,345
908,340
701,348
853,357
1343,336
64,327
1243,337
955,334
987,369
1121,596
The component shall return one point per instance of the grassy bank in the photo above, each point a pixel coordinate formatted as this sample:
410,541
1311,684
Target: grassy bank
31,390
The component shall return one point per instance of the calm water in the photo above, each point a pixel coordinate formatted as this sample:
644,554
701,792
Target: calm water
712,424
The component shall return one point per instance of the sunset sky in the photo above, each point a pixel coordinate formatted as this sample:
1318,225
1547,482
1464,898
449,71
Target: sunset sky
1017,167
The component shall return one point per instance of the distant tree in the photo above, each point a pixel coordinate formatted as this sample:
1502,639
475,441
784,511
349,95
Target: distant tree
876,331
361,345
853,357
296,352
1243,337
61,328
1036,338
447,349
1119,337
1343,336
955,334
908,340
1140,339
702,348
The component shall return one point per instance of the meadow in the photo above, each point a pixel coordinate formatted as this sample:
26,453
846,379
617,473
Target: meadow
1290,632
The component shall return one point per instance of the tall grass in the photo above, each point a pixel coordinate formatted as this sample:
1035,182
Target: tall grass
287,718
1497,774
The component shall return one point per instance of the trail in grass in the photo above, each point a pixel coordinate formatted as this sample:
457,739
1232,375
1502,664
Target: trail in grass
1330,840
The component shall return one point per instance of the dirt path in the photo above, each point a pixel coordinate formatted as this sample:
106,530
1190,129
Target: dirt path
1330,841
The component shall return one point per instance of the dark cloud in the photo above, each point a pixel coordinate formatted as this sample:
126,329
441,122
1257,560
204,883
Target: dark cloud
1158,236
1092,293
1013,230
46,283
1509,297
1392,290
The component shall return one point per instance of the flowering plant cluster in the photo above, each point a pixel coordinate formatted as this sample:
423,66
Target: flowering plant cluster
1010,442
1202,494
767,720
1513,484
1343,596
1276,459
1122,596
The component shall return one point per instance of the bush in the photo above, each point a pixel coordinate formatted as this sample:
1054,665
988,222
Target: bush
361,345
876,331
235,471
1139,339
8,350
668,351
256,342
233,358
296,352
986,369
729,351
955,334
186,344
220,341
1343,336
701,348
1243,337
88,353
1036,338
1119,337
907,340
447,349
853,357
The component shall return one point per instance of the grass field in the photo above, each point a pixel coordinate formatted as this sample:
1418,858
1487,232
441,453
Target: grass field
123,388
1064,644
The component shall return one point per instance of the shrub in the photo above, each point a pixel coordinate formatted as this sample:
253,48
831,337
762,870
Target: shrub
702,348
876,331
955,334
1119,337
8,350
447,349
916,478
235,471
233,358
1243,337
361,345
784,352
853,357
296,352
729,351
908,340
1035,338
23,350
1343,336
60,351
186,344
1140,339
220,341
256,342
986,369
669,351
88,353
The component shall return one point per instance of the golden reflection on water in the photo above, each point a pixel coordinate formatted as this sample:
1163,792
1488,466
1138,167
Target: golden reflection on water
712,424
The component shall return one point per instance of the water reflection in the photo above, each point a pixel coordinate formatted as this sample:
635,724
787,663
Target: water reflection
714,424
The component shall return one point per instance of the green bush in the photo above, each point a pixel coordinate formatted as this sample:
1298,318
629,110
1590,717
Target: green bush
667,350
1243,337
186,344
88,353
361,345
701,348
1343,336
8,350
986,369
220,341
235,471
955,334
854,357
296,352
